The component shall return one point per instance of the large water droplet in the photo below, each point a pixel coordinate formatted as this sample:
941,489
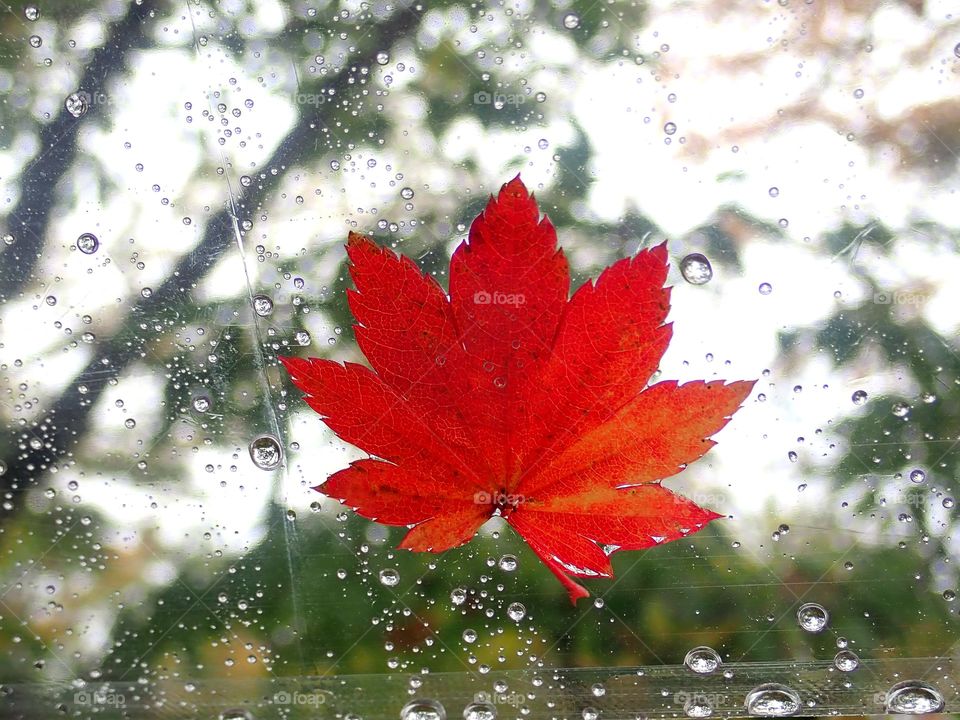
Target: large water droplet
423,709
765,288
900,409
262,305
702,660
670,128
772,700
571,21
31,13
516,611
913,697
480,709
812,617
236,714
458,596
846,661
76,104
383,57
859,397
917,476
696,269
697,707
508,563
201,403
88,243
389,577
265,452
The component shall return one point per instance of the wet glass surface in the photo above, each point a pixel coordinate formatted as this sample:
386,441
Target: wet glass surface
177,183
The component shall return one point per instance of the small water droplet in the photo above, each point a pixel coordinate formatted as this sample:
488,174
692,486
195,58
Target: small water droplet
859,397
571,21
383,57
458,596
88,243
772,700
598,690
670,128
812,617
900,409
696,269
406,193
917,476
31,13
765,288
516,611
913,697
265,451
469,635
590,713
702,660
846,661
774,191
201,403
949,595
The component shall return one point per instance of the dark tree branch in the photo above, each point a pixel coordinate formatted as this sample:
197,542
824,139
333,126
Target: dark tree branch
68,420
29,219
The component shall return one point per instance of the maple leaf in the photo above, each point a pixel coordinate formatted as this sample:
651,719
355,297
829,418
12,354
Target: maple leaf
511,397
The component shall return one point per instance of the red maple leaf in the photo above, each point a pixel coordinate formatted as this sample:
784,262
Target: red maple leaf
509,396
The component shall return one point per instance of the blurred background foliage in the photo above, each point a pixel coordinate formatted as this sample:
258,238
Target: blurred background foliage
158,551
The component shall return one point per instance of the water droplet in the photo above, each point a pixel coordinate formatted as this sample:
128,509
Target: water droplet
201,403
774,191
792,456
383,57
859,397
389,577
265,452
469,635
696,269
508,563
812,617
670,128
235,714
88,243
590,713
406,193
772,700
598,690
31,13
948,502
516,611
765,288
858,93
697,706
900,409
75,104
913,697
35,41
480,710
702,660
571,21
458,596
302,337
846,661
917,476
262,305
130,423
949,595
956,50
